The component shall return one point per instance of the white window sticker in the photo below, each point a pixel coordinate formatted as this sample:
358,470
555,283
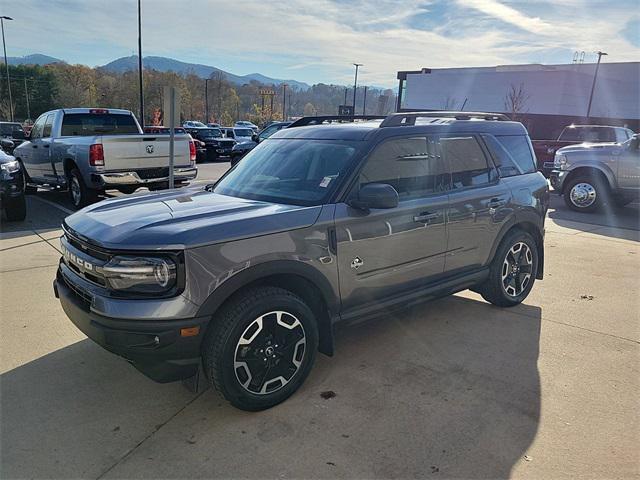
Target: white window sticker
325,182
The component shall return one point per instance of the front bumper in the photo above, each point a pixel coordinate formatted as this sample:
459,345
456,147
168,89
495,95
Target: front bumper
107,179
11,185
155,348
557,178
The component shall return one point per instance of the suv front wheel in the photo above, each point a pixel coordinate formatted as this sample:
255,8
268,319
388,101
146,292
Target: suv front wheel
260,347
513,270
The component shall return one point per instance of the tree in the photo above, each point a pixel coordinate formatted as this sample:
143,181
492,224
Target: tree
309,110
515,101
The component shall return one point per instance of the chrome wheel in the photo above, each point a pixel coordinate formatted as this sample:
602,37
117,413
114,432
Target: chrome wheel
517,269
76,193
269,352
583,195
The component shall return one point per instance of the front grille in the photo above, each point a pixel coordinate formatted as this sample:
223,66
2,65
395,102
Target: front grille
83,295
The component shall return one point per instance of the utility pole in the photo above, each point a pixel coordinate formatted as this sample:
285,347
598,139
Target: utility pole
6,64
206,100
26,95
140,63
355,86
593,85
345,95
284,102
364,103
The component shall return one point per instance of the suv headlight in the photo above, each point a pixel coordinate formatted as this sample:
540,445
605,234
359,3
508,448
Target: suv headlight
150,275
560,161
10,167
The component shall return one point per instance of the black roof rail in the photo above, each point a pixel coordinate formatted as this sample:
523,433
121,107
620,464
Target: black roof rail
320,119
409,118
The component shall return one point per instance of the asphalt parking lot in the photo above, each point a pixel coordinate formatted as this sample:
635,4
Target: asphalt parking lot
453,388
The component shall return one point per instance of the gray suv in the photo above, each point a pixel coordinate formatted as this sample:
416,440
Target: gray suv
318,224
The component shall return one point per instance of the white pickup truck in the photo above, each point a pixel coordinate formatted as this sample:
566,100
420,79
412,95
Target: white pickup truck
89,150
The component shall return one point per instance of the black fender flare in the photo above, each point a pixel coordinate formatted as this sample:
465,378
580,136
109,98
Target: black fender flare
524,218
267,269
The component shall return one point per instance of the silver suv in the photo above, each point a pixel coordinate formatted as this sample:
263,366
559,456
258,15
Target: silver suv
318,224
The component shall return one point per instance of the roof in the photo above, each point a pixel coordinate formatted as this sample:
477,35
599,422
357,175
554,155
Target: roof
429,123
117,111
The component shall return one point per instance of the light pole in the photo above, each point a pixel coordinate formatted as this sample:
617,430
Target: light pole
593,85
284,101
206,99
6,64
140,63
355,85
364,102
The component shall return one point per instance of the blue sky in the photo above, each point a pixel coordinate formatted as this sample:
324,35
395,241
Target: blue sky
318,40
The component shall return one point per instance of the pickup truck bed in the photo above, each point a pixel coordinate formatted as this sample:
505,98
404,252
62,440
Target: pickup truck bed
90,150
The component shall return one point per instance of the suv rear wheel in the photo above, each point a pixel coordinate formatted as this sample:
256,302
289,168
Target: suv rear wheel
513,270
586,193
260,347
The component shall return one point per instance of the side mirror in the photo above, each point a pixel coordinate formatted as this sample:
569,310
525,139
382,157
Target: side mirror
635,142
6,144
375,195
255,138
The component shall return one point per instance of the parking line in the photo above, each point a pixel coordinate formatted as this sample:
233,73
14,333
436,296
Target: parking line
53,204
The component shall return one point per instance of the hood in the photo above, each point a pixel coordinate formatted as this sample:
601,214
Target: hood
180,219
5,157
606,148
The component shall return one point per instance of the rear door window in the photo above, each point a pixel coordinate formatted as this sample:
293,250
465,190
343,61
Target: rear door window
512,153
467,161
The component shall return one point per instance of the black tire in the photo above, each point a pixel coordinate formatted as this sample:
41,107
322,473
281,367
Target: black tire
26,188
15,208
79,193
591,193
494,290
222,347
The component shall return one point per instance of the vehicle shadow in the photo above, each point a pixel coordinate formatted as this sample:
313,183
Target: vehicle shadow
450,388
610,221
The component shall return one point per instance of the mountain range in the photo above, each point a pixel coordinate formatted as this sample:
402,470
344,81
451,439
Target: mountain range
163,64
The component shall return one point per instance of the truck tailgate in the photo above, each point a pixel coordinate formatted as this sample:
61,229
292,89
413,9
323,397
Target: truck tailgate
123,152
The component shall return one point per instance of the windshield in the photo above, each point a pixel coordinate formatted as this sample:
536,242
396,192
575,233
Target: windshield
210,132
298,172
591,134
243,132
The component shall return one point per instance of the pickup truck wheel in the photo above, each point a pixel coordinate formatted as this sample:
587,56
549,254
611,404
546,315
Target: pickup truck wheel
513,270
586,193
80,194
15,208
260,347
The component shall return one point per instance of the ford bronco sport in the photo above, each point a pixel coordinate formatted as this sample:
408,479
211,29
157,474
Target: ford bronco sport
318,224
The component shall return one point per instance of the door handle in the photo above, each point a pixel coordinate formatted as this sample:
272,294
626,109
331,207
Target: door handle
34,146
425,217
45,146
496,203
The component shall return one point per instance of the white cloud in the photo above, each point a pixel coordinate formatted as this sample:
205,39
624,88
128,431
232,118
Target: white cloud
317,40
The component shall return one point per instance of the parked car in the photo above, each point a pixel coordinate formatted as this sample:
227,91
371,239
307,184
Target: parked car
216,145
246,124
243,276
592,175
14,132
241,149
213,125
193,124
12,201
88,150
575,134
